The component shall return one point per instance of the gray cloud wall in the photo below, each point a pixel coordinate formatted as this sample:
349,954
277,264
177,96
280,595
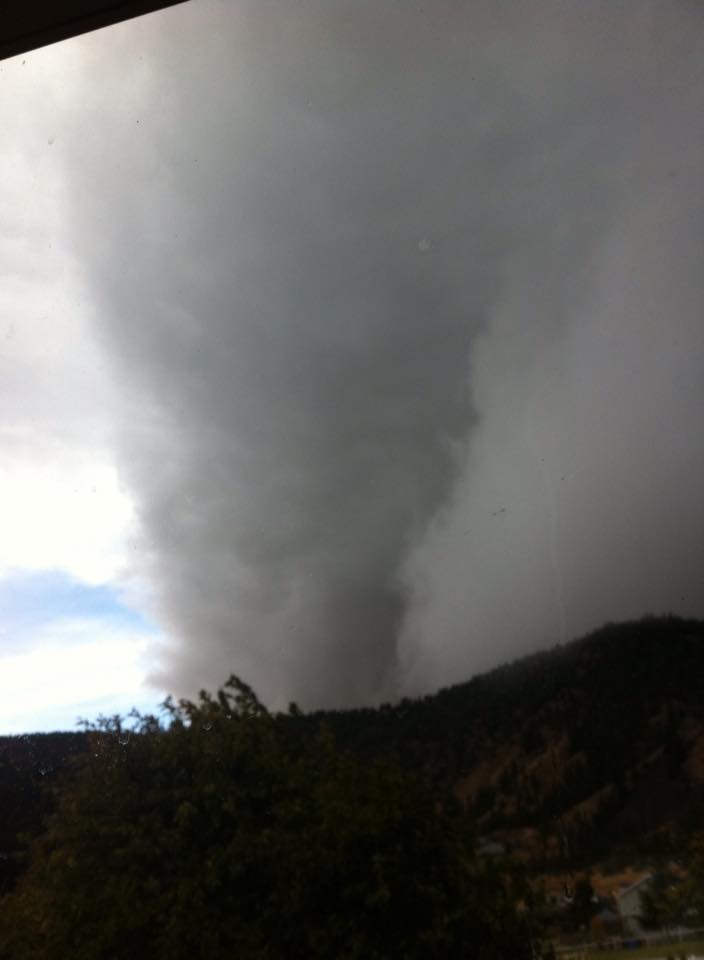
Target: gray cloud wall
332,250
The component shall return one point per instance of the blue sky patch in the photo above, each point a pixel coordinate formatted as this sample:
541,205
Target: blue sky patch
30,599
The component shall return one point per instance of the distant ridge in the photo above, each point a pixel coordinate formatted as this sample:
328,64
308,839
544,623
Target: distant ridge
591,751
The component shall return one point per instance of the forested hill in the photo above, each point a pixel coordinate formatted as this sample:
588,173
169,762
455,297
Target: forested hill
591,749
353,833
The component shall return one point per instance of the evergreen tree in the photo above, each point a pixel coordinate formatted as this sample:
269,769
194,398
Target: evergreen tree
230,831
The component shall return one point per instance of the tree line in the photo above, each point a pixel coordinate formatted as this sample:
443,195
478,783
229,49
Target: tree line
222,829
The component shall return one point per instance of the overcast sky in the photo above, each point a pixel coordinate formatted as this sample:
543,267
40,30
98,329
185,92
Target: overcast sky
353,347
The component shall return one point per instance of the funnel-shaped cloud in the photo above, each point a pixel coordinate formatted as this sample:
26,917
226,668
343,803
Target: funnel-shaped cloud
345,257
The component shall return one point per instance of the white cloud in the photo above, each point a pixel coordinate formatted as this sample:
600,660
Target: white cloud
61,504
68,515
74,666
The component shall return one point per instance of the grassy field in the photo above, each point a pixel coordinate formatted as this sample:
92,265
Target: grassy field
686,948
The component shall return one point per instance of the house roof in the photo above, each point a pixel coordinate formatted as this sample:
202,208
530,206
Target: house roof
633,886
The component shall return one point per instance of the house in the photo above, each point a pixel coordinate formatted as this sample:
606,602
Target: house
629,904
490,848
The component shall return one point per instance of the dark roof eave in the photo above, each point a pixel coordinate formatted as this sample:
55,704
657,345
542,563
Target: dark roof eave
28,24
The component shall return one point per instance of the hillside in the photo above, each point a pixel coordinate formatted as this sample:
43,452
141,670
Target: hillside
589,752
228,829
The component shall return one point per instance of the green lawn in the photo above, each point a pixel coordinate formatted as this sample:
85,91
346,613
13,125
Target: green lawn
685,949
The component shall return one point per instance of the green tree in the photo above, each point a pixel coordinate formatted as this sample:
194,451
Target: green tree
583,907
691,892
227,830
661,902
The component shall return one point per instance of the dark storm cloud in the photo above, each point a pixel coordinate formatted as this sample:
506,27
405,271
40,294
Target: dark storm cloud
301,225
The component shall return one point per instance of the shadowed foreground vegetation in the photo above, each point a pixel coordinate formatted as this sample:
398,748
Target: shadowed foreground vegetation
223,829
231,831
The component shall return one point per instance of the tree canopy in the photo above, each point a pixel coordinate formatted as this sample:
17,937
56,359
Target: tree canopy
225,829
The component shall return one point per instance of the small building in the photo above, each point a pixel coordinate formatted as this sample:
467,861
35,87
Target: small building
629,905
490,848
